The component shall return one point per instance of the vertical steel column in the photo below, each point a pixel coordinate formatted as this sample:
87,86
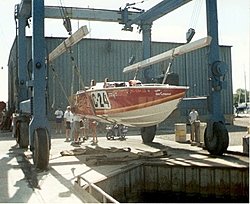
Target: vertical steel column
214,99
146,46
22,58
38,101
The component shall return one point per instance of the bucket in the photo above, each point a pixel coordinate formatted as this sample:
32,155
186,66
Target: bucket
180,132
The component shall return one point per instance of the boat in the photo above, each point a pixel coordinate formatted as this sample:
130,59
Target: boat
129,103
133,103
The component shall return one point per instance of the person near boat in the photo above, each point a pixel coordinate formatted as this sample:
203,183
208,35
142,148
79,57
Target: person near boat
93,124
68,120
193,117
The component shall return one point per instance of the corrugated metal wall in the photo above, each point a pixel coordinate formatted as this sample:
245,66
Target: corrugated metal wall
101,58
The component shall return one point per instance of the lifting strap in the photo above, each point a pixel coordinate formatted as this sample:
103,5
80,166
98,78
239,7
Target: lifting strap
169,66
136,73
63,90
75,68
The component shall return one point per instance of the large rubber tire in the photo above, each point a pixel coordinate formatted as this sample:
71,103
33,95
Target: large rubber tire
148,133
41,149
218,144
23,135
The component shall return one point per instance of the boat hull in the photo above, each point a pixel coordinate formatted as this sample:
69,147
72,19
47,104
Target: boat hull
136,106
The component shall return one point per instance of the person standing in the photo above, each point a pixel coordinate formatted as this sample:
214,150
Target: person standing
76,126
193,116
93,124
85,128
68,120
59,118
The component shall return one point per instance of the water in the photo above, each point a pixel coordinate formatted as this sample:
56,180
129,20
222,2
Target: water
170,197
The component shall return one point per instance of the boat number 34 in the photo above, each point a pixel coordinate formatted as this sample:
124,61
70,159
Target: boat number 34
100,100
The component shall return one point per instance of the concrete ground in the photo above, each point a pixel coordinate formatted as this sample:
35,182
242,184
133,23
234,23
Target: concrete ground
22,183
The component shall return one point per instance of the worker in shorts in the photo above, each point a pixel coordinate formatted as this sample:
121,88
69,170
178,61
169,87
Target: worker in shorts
59,118
76,126
193,117
68,120
85,128
93,124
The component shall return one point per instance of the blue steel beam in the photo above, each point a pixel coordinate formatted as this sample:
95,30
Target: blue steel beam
214,71
22,59
88,14
157,12
217,143
91,14
149,73
24,9
38,101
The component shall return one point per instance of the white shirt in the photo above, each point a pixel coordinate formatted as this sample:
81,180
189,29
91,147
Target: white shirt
76,118
193,116
59,114
68,116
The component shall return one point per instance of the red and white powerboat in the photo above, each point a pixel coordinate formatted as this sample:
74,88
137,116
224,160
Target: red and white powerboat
133,103
129,103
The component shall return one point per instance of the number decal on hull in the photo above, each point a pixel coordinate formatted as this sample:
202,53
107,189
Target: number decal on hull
100,100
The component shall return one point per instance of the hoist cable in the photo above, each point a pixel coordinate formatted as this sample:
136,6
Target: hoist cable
64,14
195,13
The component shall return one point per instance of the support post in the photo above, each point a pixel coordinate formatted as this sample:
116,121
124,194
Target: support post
146,46
38,101
214,99
216,135
22,71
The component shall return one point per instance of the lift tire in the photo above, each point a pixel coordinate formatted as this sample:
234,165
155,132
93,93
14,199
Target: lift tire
148,133
219,143
41,148
23,135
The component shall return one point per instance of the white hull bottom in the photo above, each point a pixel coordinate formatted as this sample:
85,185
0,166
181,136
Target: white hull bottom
144,117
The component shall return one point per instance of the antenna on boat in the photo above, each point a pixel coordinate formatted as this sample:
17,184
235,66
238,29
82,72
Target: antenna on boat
136,73
130,62
169,66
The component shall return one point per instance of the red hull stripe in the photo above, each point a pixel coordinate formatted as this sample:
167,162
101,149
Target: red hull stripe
142,105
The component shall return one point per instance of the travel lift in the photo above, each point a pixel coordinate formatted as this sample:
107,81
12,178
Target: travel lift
216,135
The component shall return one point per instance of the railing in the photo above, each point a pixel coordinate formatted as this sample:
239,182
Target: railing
91,186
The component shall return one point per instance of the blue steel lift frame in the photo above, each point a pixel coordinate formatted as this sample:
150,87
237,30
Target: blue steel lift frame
144,20
38,82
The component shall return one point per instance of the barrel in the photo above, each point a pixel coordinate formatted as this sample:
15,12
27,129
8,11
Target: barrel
180,132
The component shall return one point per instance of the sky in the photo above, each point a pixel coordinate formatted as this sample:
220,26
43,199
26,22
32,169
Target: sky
233,20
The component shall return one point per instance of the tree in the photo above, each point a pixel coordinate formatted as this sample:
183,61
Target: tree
239,96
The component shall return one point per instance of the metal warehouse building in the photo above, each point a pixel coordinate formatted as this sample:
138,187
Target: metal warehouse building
100,58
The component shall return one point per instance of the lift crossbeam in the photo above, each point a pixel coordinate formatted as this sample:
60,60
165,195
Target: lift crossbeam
157,11
90,14
87,14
